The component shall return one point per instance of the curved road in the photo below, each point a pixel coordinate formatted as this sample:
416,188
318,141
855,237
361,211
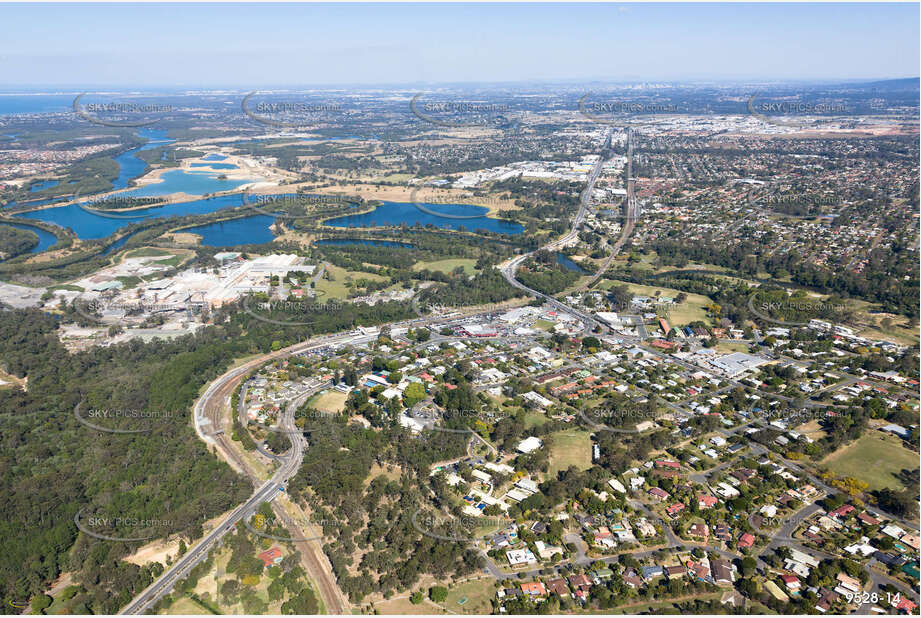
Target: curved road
209,428
206,416
509,268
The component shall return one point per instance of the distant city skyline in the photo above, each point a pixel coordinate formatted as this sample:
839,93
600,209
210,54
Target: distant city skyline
206,46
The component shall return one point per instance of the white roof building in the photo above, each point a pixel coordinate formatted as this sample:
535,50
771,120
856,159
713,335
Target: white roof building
537,398
520,556
527,485
529,445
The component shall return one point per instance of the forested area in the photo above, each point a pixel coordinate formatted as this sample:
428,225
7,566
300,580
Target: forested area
890,278
52,466
158,481
542,273
14,241
488,286
374,545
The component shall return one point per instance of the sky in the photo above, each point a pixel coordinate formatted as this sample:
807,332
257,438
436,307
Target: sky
259,45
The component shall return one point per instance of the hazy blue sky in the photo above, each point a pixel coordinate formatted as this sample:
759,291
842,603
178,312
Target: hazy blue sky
245,45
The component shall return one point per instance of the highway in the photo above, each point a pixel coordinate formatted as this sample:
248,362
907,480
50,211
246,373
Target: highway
631,214
143,603
209,428
206,415
509,268
266,492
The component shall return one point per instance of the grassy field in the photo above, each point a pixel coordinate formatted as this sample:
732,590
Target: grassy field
378,470
170,258
543,325
533,419
329,401
338,287
478,593
727,347
896,333
812,429
174,261
875,458
397,178
688,266
129,282
446,266
570,448
690,310
638,607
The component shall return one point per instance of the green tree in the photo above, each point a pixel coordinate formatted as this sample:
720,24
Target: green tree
41,602
413,394
438,594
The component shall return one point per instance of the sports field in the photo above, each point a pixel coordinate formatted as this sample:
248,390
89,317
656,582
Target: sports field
874,458
332,402
570,448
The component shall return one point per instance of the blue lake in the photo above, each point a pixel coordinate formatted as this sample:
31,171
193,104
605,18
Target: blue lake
130,167
89,225
245,231
47,184
86,224
182,181
115,246
568,264
360,241
399,213
45,239
216,166
214,157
